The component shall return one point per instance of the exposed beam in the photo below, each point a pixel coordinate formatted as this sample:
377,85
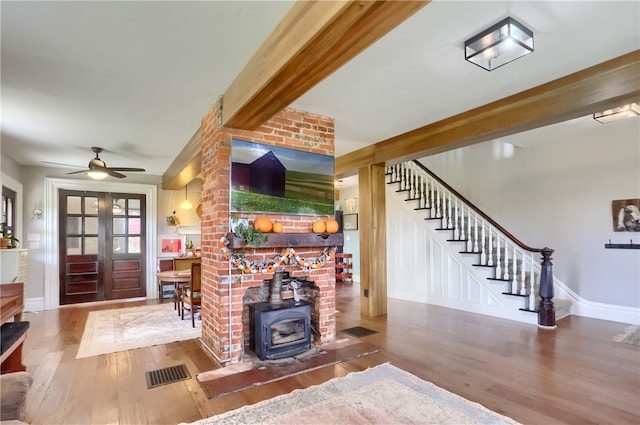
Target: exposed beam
600,87
312,41
186,166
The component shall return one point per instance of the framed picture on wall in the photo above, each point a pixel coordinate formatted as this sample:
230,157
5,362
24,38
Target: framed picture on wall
272,179
626,215
350,222
170,246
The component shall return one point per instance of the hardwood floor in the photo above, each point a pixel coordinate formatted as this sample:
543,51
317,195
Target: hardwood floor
573,375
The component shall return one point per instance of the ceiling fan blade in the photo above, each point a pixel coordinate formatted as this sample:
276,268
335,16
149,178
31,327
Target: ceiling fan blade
77,172
126,169
114,173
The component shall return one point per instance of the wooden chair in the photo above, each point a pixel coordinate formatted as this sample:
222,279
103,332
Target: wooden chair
181,263
191,297
165,265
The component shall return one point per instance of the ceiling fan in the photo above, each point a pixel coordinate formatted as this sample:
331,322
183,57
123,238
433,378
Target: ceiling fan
97,168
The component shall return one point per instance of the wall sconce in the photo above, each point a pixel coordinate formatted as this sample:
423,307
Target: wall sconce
186,205
615,114
498,45
37,211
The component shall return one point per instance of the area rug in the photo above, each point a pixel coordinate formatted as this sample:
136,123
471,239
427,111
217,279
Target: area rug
380,395
254,372
630,335
110,331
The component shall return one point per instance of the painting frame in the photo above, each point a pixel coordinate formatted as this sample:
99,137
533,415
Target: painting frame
271,179
350,221
626,215
171,245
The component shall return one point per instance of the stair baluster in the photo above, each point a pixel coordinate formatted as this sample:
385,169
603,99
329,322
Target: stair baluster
523,277
514,270
456,229
469,237
532,285
483,251
498,264
490,259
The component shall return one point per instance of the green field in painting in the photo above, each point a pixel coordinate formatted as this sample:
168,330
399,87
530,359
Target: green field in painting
305,193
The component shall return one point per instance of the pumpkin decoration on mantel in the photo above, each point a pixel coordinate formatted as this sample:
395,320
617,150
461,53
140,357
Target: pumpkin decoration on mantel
263,224
319,227
331,226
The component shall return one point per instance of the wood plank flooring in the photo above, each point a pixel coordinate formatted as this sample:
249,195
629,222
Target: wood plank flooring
573,375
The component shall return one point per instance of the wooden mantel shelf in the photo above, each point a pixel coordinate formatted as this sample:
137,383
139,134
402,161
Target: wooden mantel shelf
290,240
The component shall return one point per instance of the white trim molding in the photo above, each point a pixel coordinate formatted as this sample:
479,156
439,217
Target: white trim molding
51,201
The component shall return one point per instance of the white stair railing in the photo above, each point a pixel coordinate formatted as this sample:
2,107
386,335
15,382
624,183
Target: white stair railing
512,260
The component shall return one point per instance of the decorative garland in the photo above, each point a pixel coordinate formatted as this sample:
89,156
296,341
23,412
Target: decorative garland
288,256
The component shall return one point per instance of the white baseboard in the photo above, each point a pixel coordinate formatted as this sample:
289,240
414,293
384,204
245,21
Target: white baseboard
615,313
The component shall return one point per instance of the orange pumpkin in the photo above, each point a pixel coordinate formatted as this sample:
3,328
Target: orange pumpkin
318,227
263,224
277,227
331,226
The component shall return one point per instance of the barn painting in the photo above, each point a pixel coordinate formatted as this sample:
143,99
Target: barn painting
272,179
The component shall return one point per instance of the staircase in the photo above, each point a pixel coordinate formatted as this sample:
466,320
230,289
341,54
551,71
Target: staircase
472,262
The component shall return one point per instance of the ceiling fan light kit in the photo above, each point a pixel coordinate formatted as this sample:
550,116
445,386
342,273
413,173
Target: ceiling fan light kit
498,45
97,174
619,113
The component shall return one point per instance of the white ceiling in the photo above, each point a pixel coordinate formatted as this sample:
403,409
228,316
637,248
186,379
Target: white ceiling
136,77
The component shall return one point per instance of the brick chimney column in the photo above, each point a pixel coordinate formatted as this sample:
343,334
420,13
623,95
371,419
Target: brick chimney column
223,289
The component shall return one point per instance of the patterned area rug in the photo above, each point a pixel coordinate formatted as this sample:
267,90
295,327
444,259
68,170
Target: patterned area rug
630,335
380,395
110,331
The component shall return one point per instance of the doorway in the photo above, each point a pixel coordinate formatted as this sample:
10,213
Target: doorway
102,240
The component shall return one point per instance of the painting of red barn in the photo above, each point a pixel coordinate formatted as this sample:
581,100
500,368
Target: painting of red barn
271,179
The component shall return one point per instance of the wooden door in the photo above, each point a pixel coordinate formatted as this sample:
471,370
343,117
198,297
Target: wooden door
101,246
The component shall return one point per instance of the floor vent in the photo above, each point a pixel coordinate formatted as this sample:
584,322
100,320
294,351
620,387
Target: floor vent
155,378
359,331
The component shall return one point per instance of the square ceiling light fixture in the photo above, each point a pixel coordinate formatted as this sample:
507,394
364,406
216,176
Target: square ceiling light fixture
504,42
615,114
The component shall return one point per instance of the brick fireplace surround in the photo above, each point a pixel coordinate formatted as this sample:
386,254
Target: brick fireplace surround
223,331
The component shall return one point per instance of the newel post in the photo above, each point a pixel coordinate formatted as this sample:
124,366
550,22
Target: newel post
546,310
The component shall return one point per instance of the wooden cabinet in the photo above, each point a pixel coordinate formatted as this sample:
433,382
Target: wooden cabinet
344,264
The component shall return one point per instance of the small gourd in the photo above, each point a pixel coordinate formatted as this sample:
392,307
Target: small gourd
277,227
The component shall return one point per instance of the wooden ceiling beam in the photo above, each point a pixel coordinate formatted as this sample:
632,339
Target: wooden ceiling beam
312,41
597,88
187,165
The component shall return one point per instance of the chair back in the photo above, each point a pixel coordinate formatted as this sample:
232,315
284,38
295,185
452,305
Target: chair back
196,277
165,265
184,263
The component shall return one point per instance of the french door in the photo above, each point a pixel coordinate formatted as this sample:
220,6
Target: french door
101,246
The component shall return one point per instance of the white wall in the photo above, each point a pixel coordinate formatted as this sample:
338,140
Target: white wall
556,191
